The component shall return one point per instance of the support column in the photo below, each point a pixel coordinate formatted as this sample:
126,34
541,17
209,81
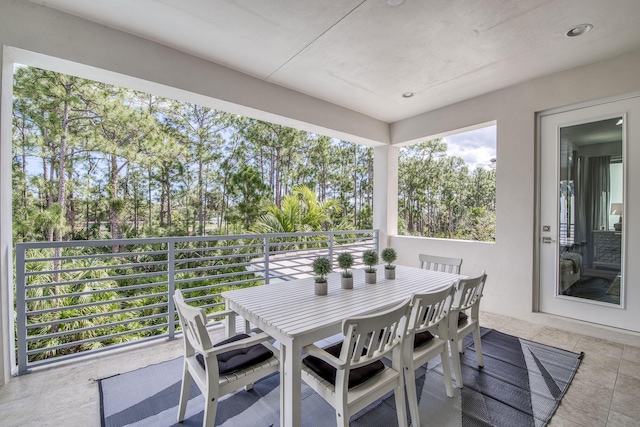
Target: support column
385,192
6,276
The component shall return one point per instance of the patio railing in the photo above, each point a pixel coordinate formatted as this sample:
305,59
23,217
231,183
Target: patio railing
86,296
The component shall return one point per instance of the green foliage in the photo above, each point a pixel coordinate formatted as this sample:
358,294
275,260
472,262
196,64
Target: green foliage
249,192
370,258
345,261
321,267
439,197
117,205
389,255
120,163
300,211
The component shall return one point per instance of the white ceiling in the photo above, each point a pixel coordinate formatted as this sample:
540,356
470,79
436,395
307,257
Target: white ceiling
363,54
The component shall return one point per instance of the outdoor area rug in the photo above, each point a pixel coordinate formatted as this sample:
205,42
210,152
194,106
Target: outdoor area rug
521,384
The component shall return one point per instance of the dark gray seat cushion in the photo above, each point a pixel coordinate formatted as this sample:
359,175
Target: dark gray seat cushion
235,360
424,337
421,339
462,318
356,376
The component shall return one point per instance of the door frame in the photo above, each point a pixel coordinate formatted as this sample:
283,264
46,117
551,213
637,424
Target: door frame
537,232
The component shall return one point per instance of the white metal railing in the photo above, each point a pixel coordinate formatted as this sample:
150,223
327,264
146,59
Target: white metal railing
81,296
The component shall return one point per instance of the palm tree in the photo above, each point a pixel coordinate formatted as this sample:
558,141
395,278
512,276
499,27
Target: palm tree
300,211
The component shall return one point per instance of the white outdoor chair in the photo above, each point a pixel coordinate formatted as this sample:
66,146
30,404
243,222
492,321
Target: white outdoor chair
427,338
440,263
221,368
350,375
467,296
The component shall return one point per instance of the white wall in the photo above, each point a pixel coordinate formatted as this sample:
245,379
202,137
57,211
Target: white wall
385,193
510,262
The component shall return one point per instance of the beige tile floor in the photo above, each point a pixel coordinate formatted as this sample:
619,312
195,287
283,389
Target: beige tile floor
604,392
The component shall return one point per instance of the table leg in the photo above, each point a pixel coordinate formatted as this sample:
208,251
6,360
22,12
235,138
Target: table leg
231,322
283,386
290,384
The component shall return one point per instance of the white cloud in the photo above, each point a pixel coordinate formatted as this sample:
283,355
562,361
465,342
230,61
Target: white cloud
476,147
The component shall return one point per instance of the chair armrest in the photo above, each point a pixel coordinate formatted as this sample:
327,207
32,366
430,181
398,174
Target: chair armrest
316,351
236,345
230,316
223,313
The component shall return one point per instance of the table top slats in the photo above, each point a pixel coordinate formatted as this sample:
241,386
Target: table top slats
292,309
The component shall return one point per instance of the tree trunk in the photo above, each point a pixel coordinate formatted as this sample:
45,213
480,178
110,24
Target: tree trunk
114,206
200,195
71,213
62,183
149,197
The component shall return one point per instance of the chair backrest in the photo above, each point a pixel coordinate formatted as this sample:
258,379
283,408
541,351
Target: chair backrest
468,294
429,310
440,263
193,321
370,338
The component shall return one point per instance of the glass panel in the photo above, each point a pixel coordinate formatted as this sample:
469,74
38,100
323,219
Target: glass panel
591,206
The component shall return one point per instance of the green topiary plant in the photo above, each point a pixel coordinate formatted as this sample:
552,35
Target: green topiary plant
321,267
370,258
389,255
345,261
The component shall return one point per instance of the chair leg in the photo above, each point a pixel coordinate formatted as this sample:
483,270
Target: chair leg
342,417
446,371
477,342
461,345
210,409
412,395
456,362
184,393
401,406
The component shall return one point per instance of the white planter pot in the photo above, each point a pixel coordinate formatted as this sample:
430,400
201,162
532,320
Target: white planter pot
389,273
320,288
346,282
370,277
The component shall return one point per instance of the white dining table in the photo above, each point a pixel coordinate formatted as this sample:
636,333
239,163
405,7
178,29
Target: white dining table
295,317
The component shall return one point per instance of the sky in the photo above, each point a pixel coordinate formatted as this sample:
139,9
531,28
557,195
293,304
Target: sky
476,147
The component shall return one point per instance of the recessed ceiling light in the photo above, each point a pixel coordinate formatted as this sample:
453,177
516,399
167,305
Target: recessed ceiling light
408,94
395,2
579,30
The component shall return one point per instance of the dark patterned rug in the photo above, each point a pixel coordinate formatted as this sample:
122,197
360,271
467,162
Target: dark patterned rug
521,384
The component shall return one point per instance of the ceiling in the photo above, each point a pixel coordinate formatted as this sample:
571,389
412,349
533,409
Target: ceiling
602,131
364,54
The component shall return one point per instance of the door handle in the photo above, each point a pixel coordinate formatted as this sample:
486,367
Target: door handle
548,240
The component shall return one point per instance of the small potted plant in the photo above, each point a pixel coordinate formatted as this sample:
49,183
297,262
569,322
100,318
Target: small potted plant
370,258
321,267
389,255
345,261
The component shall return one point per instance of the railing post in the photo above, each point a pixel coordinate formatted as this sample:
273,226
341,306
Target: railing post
21,308
331,247
266,260
171,262
376,240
